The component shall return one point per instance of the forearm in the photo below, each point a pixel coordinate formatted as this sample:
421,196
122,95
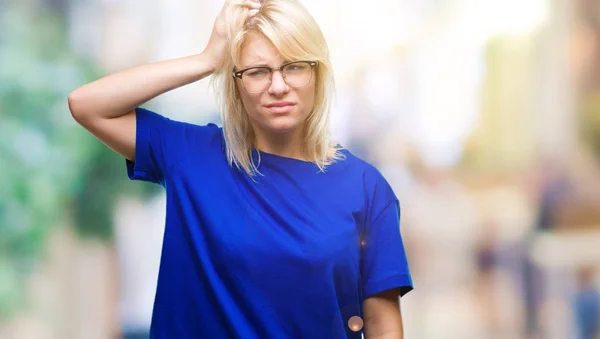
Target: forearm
119,93
382,316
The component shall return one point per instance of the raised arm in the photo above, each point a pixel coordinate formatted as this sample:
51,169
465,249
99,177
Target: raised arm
106,107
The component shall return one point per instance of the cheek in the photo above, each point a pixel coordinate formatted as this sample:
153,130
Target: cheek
250,102
308,99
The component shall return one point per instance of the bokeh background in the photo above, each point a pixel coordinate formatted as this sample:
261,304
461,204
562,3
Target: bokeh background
483,114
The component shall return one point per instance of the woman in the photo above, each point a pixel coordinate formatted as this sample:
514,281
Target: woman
272,231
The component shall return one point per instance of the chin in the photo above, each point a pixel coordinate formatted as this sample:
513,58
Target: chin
281,125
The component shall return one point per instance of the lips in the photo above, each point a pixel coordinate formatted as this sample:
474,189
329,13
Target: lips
280,104
280,107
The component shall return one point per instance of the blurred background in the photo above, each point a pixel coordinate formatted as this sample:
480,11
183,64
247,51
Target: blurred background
484,115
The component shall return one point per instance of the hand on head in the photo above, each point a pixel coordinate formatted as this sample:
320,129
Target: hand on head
217,44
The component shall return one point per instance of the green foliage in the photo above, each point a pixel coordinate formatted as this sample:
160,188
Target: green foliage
51,170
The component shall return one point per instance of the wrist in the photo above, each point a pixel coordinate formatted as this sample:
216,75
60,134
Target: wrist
209,61
200,65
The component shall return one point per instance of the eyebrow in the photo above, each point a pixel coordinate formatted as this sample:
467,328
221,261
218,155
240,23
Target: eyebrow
264,65
256,65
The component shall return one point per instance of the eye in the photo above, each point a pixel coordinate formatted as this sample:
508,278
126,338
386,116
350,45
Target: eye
296,67
257,73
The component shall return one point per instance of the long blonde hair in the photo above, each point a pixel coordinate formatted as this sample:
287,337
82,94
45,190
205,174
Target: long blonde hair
296,36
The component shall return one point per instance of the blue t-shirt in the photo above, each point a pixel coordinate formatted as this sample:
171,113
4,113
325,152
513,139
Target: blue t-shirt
290,254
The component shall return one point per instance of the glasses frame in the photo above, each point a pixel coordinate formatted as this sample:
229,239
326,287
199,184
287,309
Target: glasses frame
238,74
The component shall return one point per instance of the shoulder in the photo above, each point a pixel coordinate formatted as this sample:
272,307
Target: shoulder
369,177
368,172
377,195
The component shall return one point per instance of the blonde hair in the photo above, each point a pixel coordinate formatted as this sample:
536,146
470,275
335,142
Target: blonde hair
296,36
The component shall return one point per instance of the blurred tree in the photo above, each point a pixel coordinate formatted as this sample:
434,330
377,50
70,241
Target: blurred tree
52,171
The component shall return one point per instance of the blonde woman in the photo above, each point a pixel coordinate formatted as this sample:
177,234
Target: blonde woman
272,230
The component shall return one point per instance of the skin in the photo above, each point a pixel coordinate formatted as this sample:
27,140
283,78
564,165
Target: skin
281,133
383,319
276,132
106,108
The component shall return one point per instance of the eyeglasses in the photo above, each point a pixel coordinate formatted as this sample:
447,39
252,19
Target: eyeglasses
296,74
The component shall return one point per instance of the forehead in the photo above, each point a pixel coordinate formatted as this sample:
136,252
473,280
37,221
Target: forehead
257,50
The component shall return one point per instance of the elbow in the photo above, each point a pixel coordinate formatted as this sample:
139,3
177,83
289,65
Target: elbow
75,106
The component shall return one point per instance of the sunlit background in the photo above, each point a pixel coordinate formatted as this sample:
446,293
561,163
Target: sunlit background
483,114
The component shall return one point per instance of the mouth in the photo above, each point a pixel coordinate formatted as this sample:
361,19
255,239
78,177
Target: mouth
280,107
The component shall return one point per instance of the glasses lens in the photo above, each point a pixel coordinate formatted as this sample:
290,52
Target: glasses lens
257,79
297,74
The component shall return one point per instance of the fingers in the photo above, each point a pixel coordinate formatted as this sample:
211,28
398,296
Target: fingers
252,4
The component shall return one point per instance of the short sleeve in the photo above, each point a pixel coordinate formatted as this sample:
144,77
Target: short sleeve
158,144
383,259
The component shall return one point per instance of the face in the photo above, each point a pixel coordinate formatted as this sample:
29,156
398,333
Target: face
280,108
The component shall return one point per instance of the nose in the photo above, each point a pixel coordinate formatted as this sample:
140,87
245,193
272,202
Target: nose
278,85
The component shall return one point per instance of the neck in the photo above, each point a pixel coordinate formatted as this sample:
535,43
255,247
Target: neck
287,145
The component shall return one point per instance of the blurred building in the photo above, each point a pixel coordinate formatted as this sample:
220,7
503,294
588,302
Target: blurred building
483,115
